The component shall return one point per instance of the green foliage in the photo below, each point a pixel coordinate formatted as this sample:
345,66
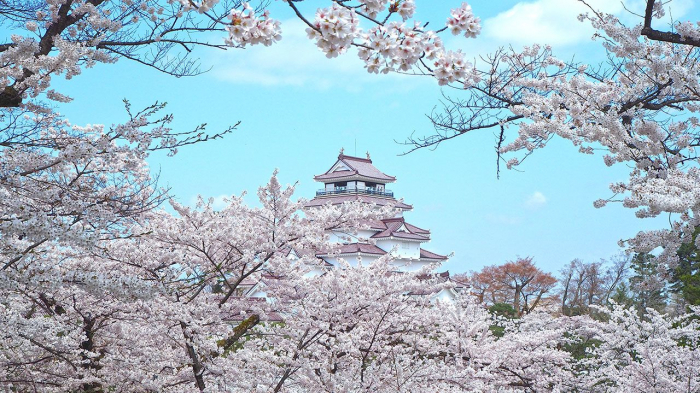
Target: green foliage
501,311
686,276
572,311
646,287
580,347
233,342
622,296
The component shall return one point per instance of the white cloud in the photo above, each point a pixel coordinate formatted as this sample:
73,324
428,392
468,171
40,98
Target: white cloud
555,22
295,61
536,201
552,22
678,9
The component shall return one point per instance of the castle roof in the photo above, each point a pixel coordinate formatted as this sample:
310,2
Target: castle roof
341,198
354,168
399,228
371,249
361,248
425,254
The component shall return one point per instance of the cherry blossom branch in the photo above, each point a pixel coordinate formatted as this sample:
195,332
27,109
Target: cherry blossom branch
663,36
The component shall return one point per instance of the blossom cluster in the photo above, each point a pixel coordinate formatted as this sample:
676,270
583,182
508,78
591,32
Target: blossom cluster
373,7
334,29
247,29
451,67
397,47
201,7
206,5
405,8
463,20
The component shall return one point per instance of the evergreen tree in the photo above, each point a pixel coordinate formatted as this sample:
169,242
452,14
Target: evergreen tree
686,276
623,296
647,288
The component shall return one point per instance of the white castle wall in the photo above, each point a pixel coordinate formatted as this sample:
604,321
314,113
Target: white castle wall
404,250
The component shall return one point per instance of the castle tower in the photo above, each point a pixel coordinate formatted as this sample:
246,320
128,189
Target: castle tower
357,179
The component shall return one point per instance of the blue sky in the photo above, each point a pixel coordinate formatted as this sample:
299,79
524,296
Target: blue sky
298,109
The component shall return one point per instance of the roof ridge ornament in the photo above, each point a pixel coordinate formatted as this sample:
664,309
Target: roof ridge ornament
368,156
342,150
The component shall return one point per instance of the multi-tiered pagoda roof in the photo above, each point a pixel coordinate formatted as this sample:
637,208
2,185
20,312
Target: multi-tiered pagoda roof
357,179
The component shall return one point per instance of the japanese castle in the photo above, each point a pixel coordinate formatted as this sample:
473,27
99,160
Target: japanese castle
357,179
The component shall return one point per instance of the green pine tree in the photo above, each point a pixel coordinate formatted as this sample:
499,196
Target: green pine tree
686,277
646,288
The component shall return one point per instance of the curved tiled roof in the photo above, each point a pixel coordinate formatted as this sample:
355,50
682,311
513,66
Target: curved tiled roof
425,254
394,229
415,229
360,167
364,248
335,175
373,225
338,199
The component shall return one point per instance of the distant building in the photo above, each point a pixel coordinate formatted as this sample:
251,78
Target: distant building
357,179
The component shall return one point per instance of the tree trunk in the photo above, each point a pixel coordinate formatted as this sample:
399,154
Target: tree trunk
197,366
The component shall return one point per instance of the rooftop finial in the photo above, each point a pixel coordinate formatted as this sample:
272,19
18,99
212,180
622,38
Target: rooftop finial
368,156
341,151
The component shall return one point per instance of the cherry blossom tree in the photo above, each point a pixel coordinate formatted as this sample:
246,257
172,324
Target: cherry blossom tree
216,253
68,192
96,316
162,310
53,38
638,107
72,169
654,353
65,181
355,329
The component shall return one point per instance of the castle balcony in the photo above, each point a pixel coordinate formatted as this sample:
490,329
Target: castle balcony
353,191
